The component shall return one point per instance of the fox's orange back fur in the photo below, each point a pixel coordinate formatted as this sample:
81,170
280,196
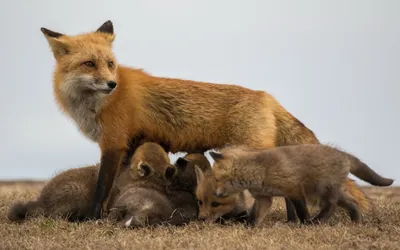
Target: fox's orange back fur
185,115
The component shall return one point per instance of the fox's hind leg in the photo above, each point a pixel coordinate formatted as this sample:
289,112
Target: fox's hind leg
348,203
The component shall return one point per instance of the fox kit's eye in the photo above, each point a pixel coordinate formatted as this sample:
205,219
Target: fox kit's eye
89,64
200,202
215,204
110,64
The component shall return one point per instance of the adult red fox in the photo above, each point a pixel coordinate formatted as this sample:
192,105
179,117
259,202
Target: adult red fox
111,104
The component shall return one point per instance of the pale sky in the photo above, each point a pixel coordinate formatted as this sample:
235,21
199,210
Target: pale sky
332,64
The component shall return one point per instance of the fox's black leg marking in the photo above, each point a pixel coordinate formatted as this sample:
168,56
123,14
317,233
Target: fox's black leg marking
301,210
109,165
290,211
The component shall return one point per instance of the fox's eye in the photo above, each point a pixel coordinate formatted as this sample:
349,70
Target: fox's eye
89,64
110,64
215,204
200,202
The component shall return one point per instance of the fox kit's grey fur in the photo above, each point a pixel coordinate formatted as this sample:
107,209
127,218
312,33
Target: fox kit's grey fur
140,191
67,195
295,172
181,191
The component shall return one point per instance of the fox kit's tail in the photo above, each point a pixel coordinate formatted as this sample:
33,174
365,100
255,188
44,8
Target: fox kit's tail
362,171
20,211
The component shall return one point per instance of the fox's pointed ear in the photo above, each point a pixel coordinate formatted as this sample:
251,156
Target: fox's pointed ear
181,163
170,172
50,33
216,156
199,174
58,47
108,29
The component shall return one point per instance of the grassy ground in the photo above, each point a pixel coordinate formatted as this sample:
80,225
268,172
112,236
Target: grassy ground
380,229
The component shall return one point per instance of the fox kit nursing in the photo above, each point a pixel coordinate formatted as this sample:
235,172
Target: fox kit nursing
213,208
66,195
140,189
181,191
111,104
295,172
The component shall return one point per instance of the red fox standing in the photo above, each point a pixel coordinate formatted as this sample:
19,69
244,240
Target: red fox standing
112,105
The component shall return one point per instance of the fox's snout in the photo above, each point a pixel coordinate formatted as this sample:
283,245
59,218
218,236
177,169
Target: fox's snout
206,218
111,84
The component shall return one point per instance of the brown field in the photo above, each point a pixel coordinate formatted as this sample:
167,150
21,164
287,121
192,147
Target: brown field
380,229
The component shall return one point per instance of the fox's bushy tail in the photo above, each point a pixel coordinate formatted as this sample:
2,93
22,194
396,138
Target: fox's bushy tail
365,173
20,211
353,190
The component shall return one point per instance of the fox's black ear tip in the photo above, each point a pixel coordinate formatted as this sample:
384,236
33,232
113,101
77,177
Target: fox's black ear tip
50,33
106,27
43,30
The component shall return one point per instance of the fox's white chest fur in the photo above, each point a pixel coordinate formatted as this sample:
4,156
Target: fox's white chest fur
83,110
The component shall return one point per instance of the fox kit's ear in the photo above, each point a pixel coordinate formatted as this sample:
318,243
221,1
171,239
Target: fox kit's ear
58,47
181,163
199,174
216,156
108,29
170,172
143,169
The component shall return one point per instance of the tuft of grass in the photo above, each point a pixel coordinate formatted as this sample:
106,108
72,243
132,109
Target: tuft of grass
380,229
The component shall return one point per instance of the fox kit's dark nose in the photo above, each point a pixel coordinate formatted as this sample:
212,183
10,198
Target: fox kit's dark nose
112,84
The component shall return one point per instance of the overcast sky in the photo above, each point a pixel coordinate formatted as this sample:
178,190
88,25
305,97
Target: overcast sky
333,64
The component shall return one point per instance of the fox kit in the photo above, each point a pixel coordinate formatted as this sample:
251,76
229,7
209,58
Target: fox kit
212,208
297,172
140,190
111,104
181,192
66,195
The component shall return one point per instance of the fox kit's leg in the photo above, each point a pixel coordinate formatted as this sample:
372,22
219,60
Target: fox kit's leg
348,203
329,200
259,210
116,214
290,209
301,210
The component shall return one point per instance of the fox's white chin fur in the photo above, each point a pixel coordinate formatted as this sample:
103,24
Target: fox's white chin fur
74,86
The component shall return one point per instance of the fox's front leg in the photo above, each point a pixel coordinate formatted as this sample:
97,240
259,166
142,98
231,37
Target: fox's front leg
259,210
113,148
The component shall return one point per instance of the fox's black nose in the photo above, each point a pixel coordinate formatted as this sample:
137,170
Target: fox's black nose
111,84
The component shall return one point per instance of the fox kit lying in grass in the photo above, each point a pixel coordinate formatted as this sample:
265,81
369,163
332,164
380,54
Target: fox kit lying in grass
174,203
212,208
140,190
292,171
67,195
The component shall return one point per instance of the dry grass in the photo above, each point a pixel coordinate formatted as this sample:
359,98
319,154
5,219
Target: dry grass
380,230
